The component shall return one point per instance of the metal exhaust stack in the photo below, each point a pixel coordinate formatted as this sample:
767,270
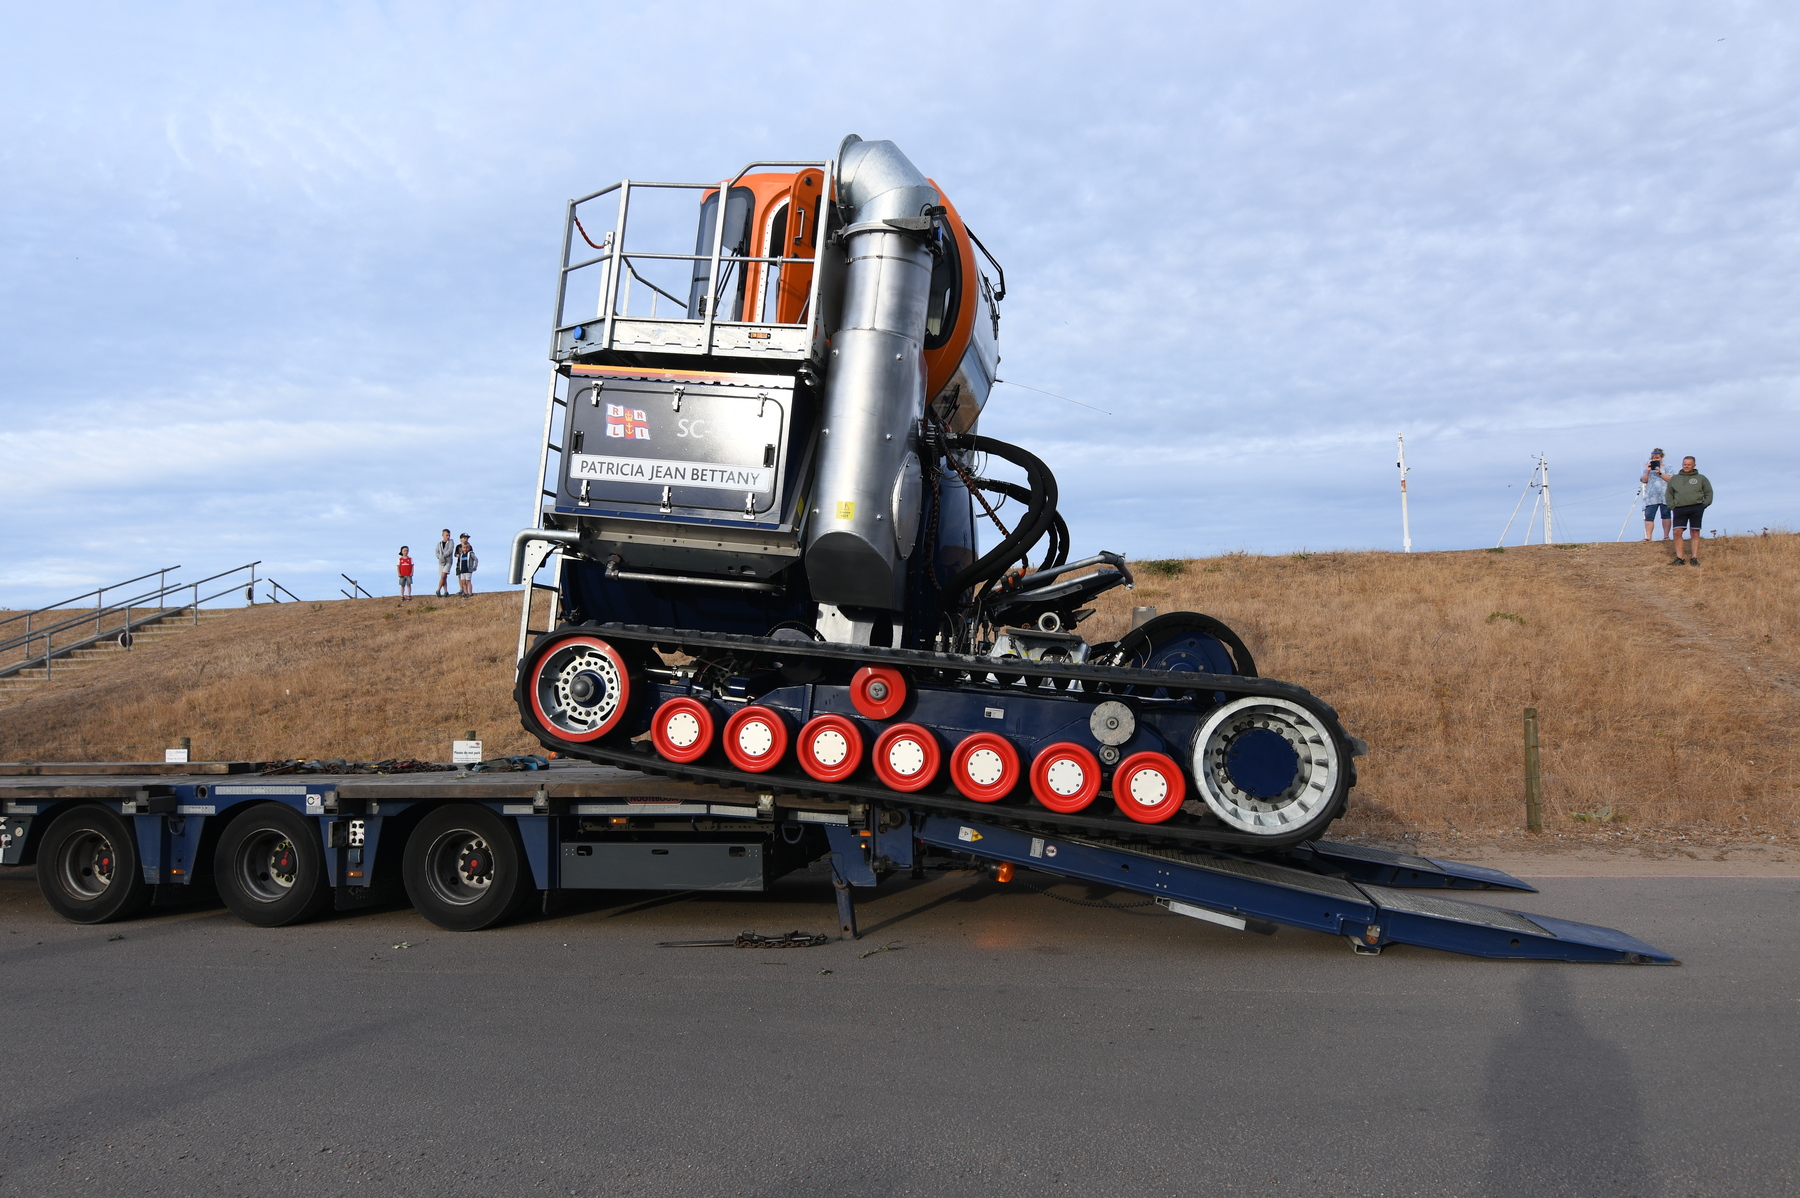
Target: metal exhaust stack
866,505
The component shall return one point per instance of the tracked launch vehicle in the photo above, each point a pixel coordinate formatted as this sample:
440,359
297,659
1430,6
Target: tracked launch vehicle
762,483
759,493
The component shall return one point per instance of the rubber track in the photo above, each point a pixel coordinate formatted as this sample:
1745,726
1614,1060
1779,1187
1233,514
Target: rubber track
1096,679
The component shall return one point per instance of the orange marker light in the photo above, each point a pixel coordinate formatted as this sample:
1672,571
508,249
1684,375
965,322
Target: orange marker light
1004,873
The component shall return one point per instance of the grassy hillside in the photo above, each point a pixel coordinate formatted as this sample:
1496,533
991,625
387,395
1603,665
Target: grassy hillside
1667,697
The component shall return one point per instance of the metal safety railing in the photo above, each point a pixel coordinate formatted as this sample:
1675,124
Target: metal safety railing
619,268
111,621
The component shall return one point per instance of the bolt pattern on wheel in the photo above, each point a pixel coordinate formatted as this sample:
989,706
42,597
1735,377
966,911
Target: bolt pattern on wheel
831,748
985,767
1065,778
1149,787
907,757
580,688
682,729
878,692
756,739
1265,765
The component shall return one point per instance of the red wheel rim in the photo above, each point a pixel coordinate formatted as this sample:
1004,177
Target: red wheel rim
683,728
977,773
831,748
558,674
888,685
1065,778
907,757
756,738
1138,781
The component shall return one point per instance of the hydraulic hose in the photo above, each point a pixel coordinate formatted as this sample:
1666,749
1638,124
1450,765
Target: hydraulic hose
1040,515
1058,551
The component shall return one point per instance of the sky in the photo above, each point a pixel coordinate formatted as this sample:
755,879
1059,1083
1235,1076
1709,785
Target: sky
275,280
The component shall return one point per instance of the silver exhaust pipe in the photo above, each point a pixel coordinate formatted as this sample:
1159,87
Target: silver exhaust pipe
865,507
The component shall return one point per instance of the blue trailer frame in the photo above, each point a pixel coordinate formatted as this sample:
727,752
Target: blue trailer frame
1371,897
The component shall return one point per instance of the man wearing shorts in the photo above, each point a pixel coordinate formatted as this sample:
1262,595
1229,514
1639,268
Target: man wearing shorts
1690,494
1656,487
446,551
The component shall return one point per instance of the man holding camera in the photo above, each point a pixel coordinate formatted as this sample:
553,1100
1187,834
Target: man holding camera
1689,494
1656,485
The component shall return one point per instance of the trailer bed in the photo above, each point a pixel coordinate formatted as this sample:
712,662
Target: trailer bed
586,826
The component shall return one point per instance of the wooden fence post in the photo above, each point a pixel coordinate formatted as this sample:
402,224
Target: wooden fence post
1534,787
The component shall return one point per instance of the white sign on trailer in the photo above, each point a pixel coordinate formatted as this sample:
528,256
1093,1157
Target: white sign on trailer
720,477
465,752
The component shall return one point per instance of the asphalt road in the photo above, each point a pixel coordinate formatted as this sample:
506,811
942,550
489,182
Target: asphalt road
1001,1044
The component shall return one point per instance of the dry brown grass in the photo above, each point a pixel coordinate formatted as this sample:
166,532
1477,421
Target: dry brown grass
1666,696
363,679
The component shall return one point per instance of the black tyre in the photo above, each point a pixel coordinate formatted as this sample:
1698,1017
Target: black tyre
270,867
88,867
465,868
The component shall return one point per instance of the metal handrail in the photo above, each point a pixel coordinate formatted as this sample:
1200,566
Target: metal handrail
276,586
53,651
44,659
96,616
617,262
113,586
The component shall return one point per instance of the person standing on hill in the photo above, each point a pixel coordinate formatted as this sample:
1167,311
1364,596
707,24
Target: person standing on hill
405,568
466,565
446,552
1656,496
1690,494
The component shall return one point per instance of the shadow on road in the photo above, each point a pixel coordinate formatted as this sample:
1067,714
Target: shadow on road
1562,1104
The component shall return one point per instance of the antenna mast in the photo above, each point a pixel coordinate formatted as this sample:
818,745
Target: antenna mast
1405,519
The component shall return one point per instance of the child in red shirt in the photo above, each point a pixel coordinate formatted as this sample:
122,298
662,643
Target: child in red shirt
405,575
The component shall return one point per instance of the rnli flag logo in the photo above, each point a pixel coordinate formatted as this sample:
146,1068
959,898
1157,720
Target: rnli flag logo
629,423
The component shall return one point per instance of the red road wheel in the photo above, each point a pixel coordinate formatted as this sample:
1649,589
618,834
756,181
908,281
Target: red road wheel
1149,787
580,688
985,767
1065,778
756,738
907,757
683,728
830,748
878,691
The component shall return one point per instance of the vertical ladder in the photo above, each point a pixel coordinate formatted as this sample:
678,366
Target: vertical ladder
540,493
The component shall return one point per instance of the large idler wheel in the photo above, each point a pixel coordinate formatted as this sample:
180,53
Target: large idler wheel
1267,766
907,757
682,729
579,688
756,738
1149,787
985,767
830,748
1065,778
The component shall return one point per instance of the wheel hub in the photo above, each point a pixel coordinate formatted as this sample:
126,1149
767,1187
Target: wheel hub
906,757
1265,765
985,767
87,865
579,688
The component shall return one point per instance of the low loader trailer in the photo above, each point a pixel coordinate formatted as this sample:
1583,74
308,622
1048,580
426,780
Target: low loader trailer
474,848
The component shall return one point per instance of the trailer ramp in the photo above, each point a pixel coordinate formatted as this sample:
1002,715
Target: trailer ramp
1244,892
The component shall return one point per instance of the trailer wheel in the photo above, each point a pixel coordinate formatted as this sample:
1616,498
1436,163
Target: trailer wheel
270,867
88,867
465,869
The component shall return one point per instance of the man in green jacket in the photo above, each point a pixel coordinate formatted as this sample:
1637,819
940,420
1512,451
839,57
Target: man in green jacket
1690,494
